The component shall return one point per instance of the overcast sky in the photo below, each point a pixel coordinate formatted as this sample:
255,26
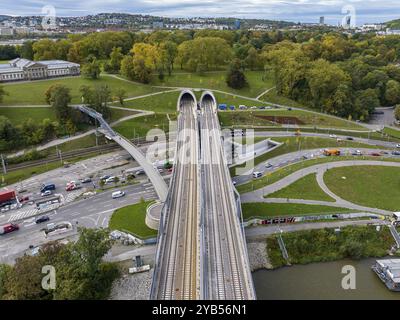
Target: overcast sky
291,10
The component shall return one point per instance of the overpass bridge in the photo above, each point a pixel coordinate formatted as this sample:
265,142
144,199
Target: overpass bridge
152,173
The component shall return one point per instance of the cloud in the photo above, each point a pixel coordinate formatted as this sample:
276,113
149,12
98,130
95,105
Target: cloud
293,10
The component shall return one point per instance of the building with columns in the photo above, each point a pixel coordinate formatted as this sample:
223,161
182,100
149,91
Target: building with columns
27,70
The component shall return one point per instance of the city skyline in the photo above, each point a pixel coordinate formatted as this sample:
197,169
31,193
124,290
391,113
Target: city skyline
367,11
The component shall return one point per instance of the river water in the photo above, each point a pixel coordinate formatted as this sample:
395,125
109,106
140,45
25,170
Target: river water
321,281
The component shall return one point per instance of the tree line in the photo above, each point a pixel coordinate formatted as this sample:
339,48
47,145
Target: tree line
80,273
344,75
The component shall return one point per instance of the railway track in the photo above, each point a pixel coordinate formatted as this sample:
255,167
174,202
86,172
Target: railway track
227,274
177,275
72,154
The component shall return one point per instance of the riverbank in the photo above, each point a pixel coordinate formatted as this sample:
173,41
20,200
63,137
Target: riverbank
323,245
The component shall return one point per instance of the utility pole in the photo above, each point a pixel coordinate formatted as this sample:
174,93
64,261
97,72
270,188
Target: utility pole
59,153
3,164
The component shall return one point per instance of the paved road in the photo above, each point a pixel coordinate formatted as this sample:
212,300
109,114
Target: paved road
261,232
91,213
258,195
245,175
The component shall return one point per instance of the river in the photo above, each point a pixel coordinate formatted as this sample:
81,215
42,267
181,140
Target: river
321,281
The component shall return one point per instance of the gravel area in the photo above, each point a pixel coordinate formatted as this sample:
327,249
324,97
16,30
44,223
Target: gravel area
258,256
132,287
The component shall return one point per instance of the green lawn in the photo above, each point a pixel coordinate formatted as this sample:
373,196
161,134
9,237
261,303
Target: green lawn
273,97
292,144
33,92
392,132
306,188
141,126
19,115
22,174
132,219
279,174
254,118
371,186
165,102
268,210
218,81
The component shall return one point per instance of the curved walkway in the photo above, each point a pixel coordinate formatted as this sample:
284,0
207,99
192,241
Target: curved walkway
258,195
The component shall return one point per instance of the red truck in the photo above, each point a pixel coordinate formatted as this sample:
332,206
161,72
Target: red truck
7,195
8,228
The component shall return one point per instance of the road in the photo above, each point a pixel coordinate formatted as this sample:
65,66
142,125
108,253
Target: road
226,273
91,213
295,157
265,231
258,195
176,273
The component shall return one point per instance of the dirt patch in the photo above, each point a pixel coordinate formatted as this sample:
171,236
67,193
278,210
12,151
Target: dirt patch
282,120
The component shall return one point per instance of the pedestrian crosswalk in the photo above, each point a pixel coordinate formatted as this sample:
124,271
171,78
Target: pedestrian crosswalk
32,212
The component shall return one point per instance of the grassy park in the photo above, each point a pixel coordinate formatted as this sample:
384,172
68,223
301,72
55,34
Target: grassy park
283,116
306,188
279,174
34,92
132,219
271,210
371,186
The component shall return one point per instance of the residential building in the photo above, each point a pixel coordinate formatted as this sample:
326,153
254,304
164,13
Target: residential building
23,69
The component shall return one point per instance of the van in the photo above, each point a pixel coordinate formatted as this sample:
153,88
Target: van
47,186
117,194
257,175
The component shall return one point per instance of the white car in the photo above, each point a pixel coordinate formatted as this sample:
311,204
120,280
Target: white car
46,193
257,175
333,136
398,145
242,107
109,180
118,194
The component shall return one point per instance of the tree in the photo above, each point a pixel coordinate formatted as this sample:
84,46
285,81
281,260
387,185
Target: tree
101,97
366,102
114,64
59,97
92,69
141,71
212,52
127,68
4,272
48,129
70,127
3,93
235,77
392,94
120,95
397,112
169,51
26,50
23,281
148,53
9,134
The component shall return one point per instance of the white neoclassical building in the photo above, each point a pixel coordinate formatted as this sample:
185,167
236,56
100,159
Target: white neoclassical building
23,69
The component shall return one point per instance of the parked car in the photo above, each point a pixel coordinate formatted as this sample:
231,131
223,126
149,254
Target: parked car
398,145
86,180
118,194
105,177
46,193
396,153
42,219
139,172
110,180
268,165
350,138
242,107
